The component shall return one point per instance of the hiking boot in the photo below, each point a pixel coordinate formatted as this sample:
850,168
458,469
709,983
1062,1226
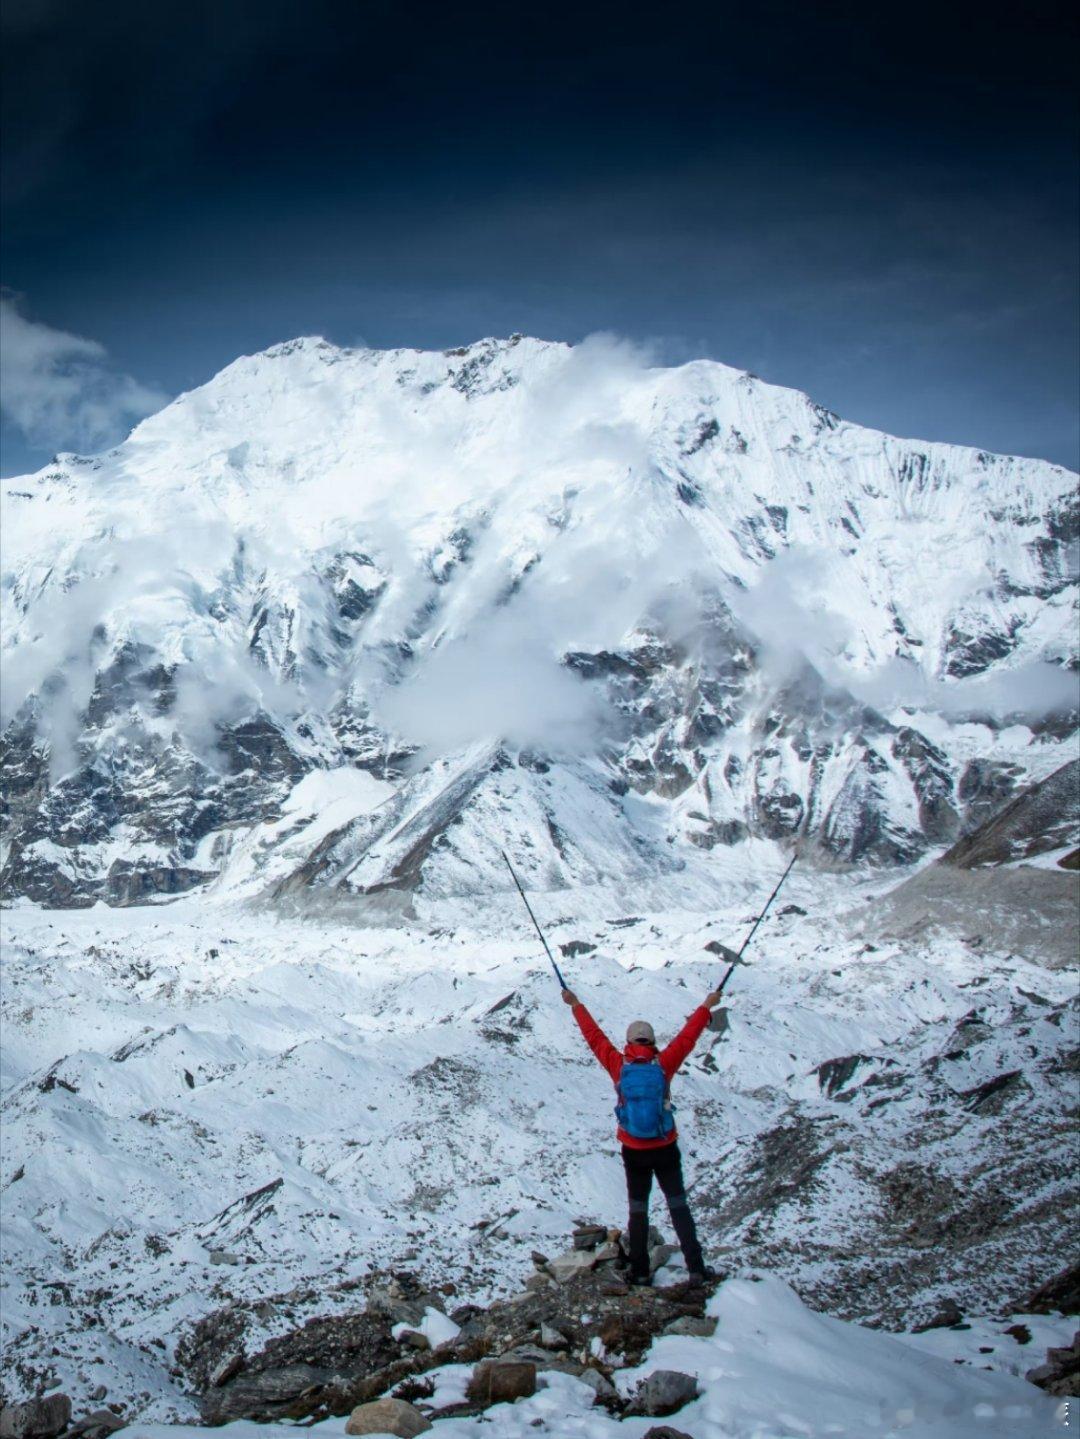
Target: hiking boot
702,1276
641,1281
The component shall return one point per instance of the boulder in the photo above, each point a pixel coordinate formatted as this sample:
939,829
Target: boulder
98,1425
551,1338
659,1256
388,1416
1020,1332
601,1385
665,1431
1060,1375
565,1266
502,1381
589,1236
948,1315
36,1419
664,1392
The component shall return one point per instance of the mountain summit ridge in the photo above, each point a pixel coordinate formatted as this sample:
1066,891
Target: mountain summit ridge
680,583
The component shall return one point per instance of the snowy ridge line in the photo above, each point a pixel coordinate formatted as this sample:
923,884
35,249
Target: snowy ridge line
743,617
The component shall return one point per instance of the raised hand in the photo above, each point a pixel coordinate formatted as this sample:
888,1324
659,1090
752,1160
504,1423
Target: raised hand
712,1000
569,997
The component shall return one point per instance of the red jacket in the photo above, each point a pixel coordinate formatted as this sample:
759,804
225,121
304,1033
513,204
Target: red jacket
670,1058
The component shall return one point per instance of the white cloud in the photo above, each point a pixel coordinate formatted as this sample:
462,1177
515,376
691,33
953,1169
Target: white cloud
60,390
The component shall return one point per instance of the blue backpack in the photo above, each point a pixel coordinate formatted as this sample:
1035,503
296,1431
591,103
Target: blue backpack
644,1110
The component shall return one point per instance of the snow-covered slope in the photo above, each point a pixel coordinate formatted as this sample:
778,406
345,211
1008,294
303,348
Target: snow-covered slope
772,1368
882,1125
629,613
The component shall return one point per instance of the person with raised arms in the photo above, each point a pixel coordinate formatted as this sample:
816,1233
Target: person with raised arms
646,1130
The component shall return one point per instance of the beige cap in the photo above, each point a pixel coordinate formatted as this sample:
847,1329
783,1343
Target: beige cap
640,1032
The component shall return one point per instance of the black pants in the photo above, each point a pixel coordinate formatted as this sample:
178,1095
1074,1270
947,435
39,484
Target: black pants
666,1163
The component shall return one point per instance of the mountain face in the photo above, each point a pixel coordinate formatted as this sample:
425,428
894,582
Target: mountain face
352,621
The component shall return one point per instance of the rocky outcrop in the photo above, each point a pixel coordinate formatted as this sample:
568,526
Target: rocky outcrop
1045,816
1059,1295
1061,1372
43,1418
580,1319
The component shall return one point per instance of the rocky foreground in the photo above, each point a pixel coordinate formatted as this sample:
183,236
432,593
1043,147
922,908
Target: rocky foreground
383,1365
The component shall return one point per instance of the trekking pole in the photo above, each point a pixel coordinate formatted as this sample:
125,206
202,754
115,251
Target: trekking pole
761,916
540,932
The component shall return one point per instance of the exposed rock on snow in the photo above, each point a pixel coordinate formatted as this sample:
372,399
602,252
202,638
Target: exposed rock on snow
665,1391
388,1416
1046,816
1061,1372
329,563
36,1418
341,1075
501,1381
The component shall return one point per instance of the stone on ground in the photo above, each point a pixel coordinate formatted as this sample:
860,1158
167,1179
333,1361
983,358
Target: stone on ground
664,1392
388,1416
36,1419
501,1381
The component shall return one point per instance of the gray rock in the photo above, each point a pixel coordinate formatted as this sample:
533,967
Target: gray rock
1060,1375
388,1416
606,1253
589,1236
577,1261
223,1256
551,1338
36,1419
533,1353
260,1394
664,1392
949,1314
665,1431
501,1381
691,1326
659,1255
601,1386
98,1425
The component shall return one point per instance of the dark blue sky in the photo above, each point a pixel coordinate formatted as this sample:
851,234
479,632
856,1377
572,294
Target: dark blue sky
879,208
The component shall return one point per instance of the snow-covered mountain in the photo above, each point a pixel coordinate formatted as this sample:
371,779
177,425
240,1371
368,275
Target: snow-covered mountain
350,621
325,636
